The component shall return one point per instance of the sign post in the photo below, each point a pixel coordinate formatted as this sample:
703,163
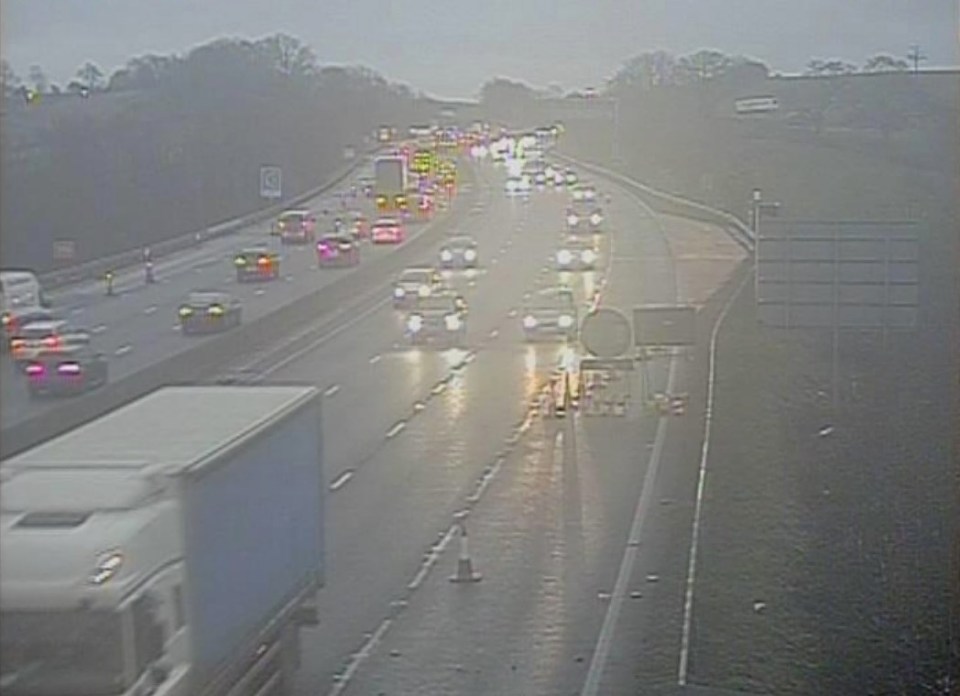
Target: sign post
271,182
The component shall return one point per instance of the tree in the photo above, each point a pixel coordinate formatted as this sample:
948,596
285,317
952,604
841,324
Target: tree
644,71
885,63
142,72
500,90
703,66
819,67
9,78
38,79
90,76
288,55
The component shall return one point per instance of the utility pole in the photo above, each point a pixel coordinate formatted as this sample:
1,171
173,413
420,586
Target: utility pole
915,56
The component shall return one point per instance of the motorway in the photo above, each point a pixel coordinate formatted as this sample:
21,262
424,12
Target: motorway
414,435
138,326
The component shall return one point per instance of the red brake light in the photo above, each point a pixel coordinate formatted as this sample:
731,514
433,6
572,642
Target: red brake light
263,261
70,368
35,370
51,341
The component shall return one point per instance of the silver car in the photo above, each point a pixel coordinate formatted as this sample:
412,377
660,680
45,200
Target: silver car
576,254
459,252
550,313
440,317
414,284
584,217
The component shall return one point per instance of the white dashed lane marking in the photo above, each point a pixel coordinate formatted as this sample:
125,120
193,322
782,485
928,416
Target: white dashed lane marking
123,350
331,390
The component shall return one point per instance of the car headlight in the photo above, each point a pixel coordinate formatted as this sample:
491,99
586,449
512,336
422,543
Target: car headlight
446,255
452,322
414,323
215,310
529,321
564,257
596,219
186,311
565,321
588,256
470,255
424,291
240,261
399,292
572,220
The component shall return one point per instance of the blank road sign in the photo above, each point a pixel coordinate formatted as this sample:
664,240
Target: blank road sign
64,250
838,274
665,325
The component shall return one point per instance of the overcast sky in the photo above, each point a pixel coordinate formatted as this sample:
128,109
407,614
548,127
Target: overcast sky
450,47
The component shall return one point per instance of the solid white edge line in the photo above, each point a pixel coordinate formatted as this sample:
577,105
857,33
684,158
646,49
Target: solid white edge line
591,683
341,480
359,657
684,663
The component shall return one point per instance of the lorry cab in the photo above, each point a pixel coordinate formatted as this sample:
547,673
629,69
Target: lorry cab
117,571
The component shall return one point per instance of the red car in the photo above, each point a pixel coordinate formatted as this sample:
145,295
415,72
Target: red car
338,250
387,231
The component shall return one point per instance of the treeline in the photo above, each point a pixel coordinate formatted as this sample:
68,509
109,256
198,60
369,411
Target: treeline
170,144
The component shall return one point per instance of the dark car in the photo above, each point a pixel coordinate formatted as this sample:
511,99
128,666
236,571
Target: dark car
73,370
208,311
15,319
257,263
459,252
336,250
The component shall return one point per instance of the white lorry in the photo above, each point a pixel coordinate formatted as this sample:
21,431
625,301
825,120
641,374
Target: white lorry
171,547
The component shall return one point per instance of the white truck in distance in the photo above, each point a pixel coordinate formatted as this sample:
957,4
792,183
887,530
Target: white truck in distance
172,547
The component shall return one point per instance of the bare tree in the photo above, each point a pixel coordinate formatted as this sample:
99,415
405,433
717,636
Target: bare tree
8,78
90,76
885,63
703,66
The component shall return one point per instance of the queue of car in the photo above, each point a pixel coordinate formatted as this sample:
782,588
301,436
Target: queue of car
57,358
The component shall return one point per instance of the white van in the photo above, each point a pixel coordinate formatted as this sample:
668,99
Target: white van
20,290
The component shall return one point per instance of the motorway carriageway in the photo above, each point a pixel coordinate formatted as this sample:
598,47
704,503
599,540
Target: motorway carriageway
411,432
139,325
